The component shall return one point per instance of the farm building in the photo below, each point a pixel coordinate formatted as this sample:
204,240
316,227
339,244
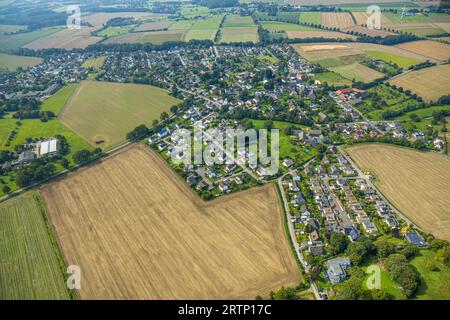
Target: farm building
47,148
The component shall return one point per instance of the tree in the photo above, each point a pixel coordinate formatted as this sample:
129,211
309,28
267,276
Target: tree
410,251
349,290
65,163
284,294
174,109
338,243
81,156
138,133
380,294
164,116
404,273
6,189
437,244
384,248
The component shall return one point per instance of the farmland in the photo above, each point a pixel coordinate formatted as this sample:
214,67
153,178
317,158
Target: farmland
429,83
402,61
65,39
340,20
5,28
332,79
11,62
318,34
153,26
310,17
156,37
30,264
416,183
204,29
239,29
14,42
358,72
115,31
432,49
141,231
102,113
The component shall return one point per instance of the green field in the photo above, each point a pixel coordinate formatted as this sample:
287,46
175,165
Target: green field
159,37
310,17
7,28
435,284
402,61
290,17
12,63
181,25
94,62
114,31
332,78
59,99
423,113
233,21
204,29
331,62
297,153
103,113
274,26
31,265
423,32
387,284
14,42
189,11
239,29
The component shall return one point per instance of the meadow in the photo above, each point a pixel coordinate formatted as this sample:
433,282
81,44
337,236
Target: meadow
94,62
114,31
132,209
433,50
103,113
238,29
402,61
204,29
332,78
416,183
357,72
7,28
12,62
31,265
310,17
13,42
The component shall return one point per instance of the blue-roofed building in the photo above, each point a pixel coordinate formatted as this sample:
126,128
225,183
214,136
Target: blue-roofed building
336,269
415,239
352,233
163,133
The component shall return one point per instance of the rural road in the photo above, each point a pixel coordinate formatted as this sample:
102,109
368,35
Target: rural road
292,235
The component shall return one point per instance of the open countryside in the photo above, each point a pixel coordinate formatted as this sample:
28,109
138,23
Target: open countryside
416,183
155,229
102,113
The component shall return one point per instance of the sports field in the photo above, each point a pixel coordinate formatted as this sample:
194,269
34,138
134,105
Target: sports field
416,183
11,62
102,112
29,257
429,83
141,233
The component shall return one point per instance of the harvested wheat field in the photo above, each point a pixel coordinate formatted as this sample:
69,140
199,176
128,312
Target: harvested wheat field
417,183
432,49
361,18
370,32
340,20
66,39
318,34
138,232
429,83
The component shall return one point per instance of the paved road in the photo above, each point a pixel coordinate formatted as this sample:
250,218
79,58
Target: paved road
369,182
292,235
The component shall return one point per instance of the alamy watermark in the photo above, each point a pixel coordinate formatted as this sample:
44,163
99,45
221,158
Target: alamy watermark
374,280
227,146
74,278
374,18
74,18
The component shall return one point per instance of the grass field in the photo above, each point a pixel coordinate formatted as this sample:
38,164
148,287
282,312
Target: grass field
14,42
435,285
429,83
12,62
30,263
204,29
332,79
416,183
402,61
103,111
273,26
432,49
155,37
310,17
239,29
387,283
66,39
94,62
141,233
358,72
318,34
57,101
115,31
7,28
153,26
